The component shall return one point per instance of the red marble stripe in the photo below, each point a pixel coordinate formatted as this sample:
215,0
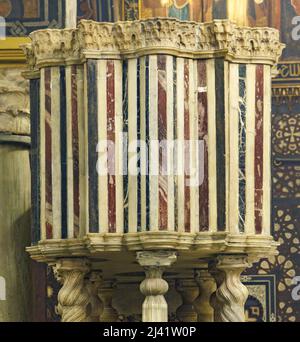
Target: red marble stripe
111,138
162,135
187,194
259,139
48,155
203,135
75,150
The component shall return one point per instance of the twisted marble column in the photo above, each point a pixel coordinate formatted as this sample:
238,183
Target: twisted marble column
207,287
73,298
230,297
155,307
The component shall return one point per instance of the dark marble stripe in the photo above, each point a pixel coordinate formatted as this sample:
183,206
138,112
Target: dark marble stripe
162,135
48,155
259,140
75,151
92,71
35,159
220,143
219,9
63,154
110,79
203,136
139,178
242,146
125,142
147,143
175,139
187,193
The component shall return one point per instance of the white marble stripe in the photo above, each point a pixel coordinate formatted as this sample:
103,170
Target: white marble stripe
82,144
250,149
143,141
70,206
132,145
227,140
154,148
234,149
119,147
56,153
266,224
212,153
71,14
180,145
102,152
194,165
170,140
42,156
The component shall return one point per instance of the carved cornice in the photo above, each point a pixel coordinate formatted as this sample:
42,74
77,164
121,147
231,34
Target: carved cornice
159,35
201,245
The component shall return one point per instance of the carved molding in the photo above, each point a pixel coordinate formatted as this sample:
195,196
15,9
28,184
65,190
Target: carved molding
14,103
158,35
204,244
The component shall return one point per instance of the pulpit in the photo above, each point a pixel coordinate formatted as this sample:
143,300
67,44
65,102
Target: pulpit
151,146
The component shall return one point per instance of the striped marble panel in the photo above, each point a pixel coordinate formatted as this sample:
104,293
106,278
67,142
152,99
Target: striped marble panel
73,77
59,157
35,159
105,155
220,142
93,138
267,124
242,145
172,119
259,141
246,143
47,122
203,136
156,143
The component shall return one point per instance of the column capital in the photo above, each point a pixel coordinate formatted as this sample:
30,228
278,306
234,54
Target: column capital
156,258
223,262
72,264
